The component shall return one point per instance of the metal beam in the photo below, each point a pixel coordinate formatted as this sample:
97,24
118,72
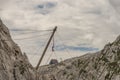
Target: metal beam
54,30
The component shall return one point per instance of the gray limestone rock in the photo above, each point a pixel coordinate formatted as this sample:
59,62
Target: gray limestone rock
13,64
102,65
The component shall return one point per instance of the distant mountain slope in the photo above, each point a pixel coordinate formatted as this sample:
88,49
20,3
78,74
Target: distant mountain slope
13,64
103,65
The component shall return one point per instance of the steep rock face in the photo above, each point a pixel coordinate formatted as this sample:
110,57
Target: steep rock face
13,64
103,65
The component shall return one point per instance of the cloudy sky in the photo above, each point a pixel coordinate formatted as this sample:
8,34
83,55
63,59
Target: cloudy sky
83,25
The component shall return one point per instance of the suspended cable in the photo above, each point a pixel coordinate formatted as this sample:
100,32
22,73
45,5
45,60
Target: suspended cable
64,44
43,45
29,30
49,58
29,37
46,47
53,45
55,55
37,51
53,48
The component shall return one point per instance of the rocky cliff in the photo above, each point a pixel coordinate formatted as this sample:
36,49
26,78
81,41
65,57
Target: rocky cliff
13,64
103,65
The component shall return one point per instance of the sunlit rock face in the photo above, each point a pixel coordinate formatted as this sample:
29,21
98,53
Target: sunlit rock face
102,65
13,64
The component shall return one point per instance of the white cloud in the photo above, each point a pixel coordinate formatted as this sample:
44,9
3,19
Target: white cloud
116,4
91,22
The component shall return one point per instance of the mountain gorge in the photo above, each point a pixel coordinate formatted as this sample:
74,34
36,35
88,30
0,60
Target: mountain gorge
102,65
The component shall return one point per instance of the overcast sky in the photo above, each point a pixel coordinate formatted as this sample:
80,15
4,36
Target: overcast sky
83,25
